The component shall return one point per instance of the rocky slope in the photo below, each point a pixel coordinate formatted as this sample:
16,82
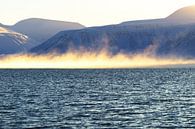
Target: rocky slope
168,36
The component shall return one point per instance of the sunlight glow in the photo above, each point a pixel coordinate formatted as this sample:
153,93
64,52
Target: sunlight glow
89,12
81,60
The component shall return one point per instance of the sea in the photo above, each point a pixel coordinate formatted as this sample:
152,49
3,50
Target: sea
97,98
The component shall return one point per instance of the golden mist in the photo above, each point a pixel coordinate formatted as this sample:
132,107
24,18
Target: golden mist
89,60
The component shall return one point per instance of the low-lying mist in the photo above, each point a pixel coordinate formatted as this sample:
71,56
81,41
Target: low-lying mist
92,60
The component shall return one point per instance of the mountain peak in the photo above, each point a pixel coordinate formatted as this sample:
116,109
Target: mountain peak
186,14
44,21
42,29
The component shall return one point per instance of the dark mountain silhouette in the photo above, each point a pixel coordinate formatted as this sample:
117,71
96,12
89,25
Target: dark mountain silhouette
170,35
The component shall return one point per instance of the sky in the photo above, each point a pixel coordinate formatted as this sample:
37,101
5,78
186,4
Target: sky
88,12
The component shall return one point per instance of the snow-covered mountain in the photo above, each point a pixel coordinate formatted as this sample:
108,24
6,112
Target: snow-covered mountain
13,42
42,29
29,33
170,35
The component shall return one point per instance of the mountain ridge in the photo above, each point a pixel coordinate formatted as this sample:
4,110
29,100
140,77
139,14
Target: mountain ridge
42,29
13,42
19,38
185,15
129,38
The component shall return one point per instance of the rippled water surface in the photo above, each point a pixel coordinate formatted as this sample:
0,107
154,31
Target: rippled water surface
135,98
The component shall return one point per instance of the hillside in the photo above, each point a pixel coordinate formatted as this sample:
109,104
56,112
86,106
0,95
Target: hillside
12,42
175,37
184,15
42,29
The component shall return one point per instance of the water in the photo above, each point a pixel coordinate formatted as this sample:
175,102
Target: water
137,98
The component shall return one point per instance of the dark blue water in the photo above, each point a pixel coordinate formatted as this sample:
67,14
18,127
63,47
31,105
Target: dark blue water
137,98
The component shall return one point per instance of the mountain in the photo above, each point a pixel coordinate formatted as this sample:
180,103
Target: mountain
42,29
173,37
5,26
12,42
184,15
183,45
123,39
29,33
